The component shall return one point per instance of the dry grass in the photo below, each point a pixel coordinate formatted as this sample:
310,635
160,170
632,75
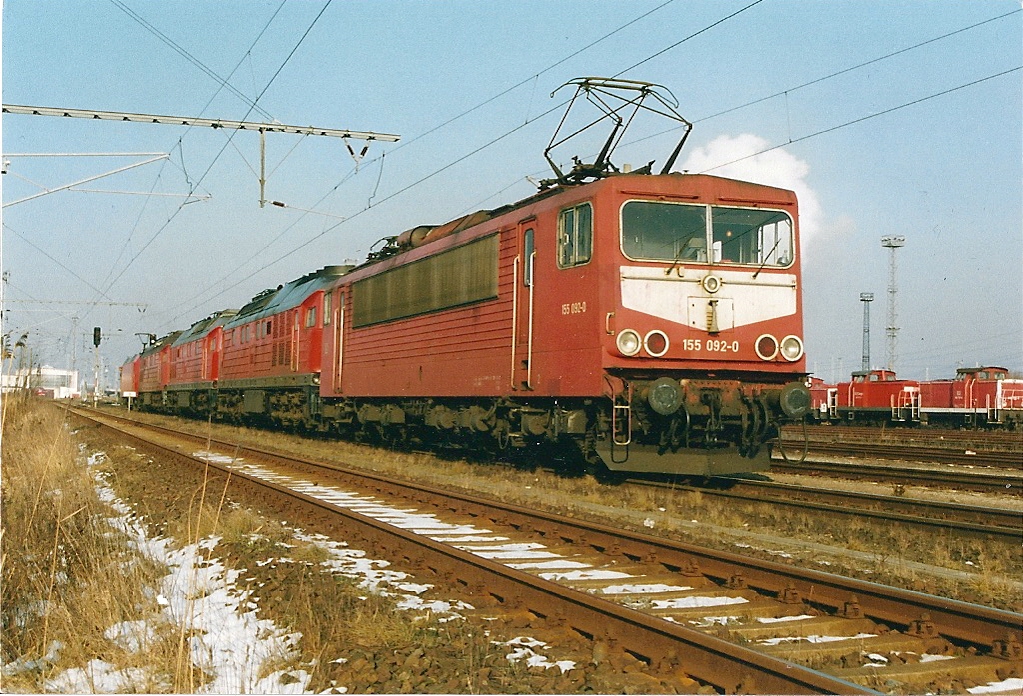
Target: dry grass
67,576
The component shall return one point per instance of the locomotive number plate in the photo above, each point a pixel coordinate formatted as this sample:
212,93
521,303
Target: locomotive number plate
573,308
711,345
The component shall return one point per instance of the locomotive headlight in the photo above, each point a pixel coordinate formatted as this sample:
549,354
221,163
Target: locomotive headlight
766,347
791,348
628,342
664,396
656,343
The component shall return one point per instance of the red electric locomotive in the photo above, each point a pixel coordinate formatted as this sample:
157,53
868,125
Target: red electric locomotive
129,378
195,364
648,322
154,371
271,354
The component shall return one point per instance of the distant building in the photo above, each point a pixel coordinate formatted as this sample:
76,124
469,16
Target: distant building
52,381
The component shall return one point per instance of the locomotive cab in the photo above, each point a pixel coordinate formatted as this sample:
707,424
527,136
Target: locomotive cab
701,332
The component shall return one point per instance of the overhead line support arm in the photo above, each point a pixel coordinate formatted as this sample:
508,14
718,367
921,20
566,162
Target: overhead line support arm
262,128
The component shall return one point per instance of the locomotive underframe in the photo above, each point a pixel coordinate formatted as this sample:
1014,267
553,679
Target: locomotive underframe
701,427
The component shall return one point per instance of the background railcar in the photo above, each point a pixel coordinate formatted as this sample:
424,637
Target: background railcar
977,396
270,368
879,396
195,364
154,371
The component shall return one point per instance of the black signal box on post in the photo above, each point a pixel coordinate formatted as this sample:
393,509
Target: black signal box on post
96,336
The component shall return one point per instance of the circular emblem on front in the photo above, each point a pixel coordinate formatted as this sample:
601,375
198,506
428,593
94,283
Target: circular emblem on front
711,283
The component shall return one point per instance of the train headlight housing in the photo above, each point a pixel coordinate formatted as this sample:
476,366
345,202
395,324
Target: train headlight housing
628,342
766,347
791,348
664,396
656,343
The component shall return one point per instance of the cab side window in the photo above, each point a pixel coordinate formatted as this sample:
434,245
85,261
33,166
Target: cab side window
527,252
575,236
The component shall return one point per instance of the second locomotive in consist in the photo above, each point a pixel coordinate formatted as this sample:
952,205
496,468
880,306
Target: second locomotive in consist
651,322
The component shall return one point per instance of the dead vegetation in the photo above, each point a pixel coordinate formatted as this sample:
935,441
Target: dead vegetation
67,575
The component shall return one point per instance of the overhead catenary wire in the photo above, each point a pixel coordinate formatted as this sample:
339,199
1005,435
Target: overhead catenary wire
166,224
192,186
470,154
865,118
224,84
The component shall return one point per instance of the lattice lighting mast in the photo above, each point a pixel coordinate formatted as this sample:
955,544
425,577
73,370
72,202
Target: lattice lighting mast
892,242
866,298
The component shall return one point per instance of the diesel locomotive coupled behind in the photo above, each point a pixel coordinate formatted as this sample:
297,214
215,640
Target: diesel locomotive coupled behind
648,322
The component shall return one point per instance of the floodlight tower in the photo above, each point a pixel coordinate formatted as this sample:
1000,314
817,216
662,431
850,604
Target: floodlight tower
892,242
866,298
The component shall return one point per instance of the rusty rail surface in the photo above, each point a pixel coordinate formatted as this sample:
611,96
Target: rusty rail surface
984,522
661,644
656,640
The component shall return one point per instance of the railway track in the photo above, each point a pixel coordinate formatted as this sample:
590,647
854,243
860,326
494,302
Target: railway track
985,522
977,440
948,447
812,632
1009,482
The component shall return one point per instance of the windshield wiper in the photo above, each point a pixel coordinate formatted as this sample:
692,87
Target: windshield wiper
764,263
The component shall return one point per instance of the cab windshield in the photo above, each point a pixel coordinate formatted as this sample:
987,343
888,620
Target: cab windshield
683,233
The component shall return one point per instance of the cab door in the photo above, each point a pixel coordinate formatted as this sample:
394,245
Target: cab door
338,319
523,306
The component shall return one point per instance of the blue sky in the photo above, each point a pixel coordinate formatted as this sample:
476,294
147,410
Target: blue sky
879,124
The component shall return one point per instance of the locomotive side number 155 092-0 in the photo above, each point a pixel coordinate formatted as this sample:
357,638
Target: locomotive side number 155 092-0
573,308
712,345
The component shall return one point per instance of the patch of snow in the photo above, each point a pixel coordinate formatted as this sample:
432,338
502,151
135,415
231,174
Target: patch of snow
592,574
1012,685
814,639
708,621
524,649
643,589
551,565
927,657
778,619
692,602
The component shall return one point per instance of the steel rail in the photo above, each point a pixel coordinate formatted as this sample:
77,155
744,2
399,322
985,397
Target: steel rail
904,452
1002,482
959,622
984,522
660,643
995,440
